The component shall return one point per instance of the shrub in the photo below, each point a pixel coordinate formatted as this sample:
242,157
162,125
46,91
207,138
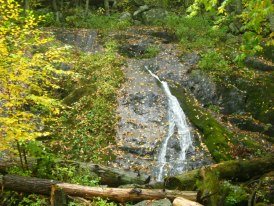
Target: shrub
195,32
213,61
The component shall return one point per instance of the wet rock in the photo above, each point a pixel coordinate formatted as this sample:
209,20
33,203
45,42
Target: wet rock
85,40
259,64
152,67
133,50
165,36
203,87
143,102
229,102
154,15
138,150
250,124
163,202
191,58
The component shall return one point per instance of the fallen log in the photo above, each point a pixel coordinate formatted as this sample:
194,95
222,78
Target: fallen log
180,201
27,184
123,194
235,170
45,186
109,176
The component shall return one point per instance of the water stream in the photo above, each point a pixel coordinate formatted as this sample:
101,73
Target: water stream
176,122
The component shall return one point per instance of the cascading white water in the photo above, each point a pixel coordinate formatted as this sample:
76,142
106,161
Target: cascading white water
176,119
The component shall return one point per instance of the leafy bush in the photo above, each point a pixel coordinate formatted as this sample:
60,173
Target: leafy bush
90,115
151,51
236,195
195,33
213,61
27,78
79,19
34,200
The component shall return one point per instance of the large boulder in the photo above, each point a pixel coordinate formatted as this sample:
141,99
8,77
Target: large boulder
125,16
163,202
138,13
154,15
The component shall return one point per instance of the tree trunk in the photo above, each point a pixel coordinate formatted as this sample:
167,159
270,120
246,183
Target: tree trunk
110,176
57,197
124,194
87,7
55,8
26,5
27,184
106,4
180,201
235,170
47,187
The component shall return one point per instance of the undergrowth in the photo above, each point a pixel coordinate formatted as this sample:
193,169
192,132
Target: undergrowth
90,112
78,18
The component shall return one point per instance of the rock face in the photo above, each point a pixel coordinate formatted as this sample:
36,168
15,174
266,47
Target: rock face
143,107
84,39
142,111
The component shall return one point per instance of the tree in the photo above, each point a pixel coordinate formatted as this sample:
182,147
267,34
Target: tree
253,15
87,7
26,77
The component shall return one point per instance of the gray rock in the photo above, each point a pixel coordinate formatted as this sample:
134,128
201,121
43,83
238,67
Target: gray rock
203,87
163,202
126,16
139,2
154,15
137,14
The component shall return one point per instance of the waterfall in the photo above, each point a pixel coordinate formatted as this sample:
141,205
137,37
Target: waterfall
176,119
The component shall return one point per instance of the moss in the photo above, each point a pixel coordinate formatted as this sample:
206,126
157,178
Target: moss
216,135
183,182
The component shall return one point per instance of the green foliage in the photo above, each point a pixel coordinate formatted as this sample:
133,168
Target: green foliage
222,192
252,14
210,185
236,195
102,202
79,19
90,114
151,51
28,79
11,198
19,171
34,200
73,175
195,33
213,61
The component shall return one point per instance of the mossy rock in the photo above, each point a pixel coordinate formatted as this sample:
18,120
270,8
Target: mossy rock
216,136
